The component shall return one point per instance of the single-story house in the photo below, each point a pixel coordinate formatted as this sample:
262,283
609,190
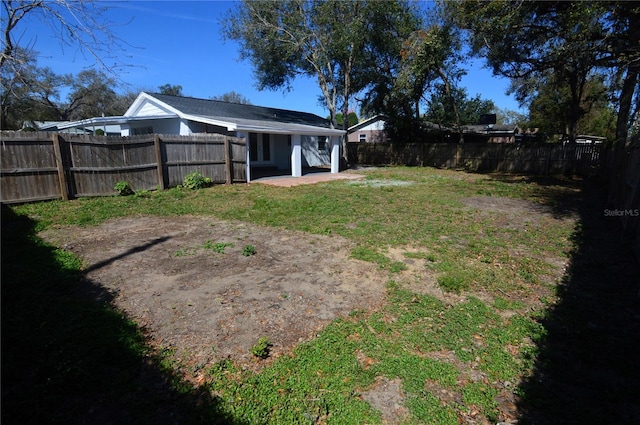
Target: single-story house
276,138
370,130
490,133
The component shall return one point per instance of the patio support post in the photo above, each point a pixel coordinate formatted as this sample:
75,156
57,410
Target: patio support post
296,155
335,154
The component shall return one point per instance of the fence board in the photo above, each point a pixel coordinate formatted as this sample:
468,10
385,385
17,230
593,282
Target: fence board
33,168
483,157
29,169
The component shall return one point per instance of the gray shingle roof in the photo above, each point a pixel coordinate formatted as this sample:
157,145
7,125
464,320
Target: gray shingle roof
220,109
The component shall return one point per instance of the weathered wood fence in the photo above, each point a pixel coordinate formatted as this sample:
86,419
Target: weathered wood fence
483,157
622,169
39,166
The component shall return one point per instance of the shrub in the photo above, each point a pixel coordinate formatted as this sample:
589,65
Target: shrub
123,189
196,180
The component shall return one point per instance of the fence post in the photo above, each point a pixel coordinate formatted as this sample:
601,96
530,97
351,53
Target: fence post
160,165
61,172
228,163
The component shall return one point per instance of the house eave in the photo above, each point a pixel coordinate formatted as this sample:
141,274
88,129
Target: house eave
230,126
311,131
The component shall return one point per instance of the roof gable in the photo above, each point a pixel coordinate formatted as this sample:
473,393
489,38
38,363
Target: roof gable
147,106
375,121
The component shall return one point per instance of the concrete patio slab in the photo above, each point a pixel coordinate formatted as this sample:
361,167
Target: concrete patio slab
311,178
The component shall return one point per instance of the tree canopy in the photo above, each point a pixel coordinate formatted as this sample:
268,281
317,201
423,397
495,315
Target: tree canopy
31,93
170,90
79,23
571,41
232,97
336,42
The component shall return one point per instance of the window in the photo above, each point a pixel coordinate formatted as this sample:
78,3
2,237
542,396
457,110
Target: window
259,148
363,137
142,130
322,143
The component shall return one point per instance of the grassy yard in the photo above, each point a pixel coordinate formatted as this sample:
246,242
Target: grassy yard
506,341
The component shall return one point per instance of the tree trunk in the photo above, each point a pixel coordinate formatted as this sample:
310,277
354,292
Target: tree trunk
626,97
447,89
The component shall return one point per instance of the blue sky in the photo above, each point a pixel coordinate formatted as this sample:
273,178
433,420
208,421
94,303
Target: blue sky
180,43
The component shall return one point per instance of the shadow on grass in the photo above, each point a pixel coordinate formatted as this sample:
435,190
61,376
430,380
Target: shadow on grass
588,369
69,357
561,195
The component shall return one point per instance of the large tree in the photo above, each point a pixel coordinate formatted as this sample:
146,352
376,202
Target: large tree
27,91
91,94
331,41
549,109
30,93
527,40
467,112
81,24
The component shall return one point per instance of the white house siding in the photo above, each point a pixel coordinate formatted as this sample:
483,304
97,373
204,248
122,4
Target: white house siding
372,132
370,136
150,109
311,155
374,126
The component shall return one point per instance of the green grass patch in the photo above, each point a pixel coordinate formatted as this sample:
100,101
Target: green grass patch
62,354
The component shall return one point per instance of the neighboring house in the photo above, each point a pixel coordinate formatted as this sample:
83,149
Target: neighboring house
368,131
489,133
372,130
586,139
276,138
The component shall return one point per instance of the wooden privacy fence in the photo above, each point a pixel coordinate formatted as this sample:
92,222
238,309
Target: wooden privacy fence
483,157
622,167
39,166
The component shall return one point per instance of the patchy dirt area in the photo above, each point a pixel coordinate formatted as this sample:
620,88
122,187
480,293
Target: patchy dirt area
186,281
169,276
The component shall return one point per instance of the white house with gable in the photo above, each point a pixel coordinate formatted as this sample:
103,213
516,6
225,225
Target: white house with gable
276,138
371,130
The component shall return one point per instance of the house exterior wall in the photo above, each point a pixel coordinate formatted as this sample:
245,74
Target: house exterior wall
315,151
373,132
282,151
371,136
164,126
149,109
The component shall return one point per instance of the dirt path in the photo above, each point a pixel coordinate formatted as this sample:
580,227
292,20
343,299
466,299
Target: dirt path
166,275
